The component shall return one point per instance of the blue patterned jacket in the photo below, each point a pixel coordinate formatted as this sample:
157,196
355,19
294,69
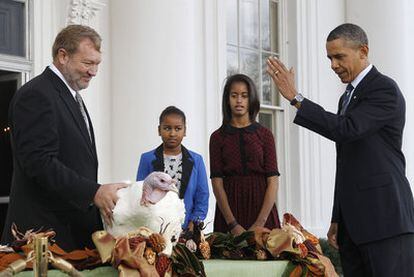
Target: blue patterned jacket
194,186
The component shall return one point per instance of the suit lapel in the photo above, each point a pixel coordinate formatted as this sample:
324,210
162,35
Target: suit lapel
72,106
360,89
92,135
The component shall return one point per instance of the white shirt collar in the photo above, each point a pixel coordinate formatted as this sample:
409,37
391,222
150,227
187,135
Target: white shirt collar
60,75
361,76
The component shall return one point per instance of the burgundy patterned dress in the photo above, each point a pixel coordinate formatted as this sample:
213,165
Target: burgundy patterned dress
244,158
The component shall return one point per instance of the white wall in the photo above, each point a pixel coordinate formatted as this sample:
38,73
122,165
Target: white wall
98,95
48,18
311,161
163,53
407,86
157,60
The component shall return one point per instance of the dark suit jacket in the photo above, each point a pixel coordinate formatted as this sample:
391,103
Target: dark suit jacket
372,194
55,164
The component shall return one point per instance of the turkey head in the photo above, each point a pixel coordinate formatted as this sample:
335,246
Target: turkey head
156,186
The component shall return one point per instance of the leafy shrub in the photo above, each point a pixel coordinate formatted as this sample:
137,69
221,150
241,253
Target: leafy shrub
332,254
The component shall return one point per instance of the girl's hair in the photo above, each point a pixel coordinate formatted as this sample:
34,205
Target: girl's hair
254,102
172,110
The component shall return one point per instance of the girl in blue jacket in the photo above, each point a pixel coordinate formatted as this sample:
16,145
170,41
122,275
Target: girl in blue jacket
183,165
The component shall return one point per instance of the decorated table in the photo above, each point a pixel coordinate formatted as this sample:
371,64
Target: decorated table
288,251
214,267
244,268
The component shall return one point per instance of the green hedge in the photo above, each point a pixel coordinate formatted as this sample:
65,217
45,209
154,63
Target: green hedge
332,254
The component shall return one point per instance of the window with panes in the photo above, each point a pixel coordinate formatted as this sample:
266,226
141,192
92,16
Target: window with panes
252,32
15,68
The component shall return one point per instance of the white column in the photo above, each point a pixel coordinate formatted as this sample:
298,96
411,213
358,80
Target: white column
48,18
98,95
158,60
165,52
312,160
390,28
215,73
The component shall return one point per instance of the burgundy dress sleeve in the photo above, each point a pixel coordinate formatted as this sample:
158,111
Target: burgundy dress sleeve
270,158
215,148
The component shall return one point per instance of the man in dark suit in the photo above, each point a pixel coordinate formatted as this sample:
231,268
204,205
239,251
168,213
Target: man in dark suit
54,183
373,214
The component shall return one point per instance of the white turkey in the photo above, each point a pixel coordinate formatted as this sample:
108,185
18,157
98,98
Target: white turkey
153,203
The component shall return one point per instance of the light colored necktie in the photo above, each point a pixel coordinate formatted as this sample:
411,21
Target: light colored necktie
346,99
83,112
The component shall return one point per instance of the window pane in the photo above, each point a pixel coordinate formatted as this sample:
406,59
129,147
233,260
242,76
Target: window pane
266,119
280,130
270,95
276,94
266,82
249,23
232,64
249,65
12,28
231,21
265,24
274,26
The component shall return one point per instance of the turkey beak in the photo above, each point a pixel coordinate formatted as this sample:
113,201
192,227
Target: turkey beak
173,187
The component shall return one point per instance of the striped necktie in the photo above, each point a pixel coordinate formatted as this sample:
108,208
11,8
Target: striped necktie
83,112
346,99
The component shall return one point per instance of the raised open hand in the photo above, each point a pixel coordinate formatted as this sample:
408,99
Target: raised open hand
283,78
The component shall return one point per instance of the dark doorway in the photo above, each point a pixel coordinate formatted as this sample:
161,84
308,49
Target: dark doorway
9,83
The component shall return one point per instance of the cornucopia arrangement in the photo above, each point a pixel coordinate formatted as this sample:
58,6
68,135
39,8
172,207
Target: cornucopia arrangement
138,253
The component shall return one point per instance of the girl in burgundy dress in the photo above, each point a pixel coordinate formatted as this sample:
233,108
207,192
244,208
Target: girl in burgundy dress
243,163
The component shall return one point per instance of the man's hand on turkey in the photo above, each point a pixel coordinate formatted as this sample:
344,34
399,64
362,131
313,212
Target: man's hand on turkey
106,198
